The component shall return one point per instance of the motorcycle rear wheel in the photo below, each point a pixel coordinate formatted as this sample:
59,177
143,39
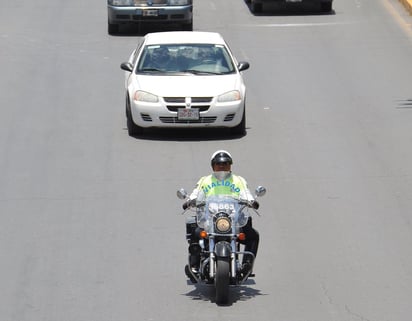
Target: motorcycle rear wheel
222,279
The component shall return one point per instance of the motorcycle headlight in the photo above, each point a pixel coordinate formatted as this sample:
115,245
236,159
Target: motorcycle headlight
233,95
223,224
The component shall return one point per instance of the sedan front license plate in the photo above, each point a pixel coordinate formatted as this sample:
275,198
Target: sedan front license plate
188,114
150,13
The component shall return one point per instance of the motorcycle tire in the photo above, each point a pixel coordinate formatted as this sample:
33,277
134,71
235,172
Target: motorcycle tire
222,279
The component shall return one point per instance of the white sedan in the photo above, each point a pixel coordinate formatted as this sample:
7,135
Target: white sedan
184,79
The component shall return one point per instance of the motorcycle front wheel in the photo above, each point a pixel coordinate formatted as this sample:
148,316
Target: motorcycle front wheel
222,279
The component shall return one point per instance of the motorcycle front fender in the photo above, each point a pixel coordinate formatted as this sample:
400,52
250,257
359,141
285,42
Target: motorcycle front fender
223,249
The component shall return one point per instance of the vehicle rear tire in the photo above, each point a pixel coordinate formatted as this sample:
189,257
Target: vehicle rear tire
112,28
222,279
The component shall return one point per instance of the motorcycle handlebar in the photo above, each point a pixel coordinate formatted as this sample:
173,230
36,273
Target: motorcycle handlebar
192,203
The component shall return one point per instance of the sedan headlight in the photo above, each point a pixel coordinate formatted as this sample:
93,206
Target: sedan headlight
145,97
233,95
223,224
179,2
121,2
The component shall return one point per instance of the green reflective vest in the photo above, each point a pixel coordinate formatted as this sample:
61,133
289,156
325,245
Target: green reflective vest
234,185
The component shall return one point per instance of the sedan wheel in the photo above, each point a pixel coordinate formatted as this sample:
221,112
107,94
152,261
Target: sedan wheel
112,28
132,128
241,128
188,26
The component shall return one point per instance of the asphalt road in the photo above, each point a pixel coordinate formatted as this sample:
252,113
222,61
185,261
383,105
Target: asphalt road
90,227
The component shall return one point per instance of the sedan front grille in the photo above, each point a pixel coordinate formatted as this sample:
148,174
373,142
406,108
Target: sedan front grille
174,103
181,100
149,18
175,108
122,16
175,120
144,3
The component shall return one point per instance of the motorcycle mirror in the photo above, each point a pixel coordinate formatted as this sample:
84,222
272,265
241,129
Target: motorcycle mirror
260,191
182,194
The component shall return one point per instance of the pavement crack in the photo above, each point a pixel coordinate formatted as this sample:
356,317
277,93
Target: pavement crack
357,315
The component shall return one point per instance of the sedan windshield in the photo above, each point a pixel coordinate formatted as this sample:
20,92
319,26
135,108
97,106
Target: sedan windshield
185,58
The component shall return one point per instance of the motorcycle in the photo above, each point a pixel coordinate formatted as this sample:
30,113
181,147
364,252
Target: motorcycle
217,223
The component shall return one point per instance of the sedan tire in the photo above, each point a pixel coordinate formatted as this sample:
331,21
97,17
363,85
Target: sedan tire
112,28
188,26
132,128
241,128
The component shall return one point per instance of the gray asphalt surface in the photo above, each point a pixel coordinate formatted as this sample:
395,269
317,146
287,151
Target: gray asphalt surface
90,227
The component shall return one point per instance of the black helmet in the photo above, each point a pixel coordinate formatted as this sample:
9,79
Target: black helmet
221,156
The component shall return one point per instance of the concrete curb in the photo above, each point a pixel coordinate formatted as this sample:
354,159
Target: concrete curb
408,5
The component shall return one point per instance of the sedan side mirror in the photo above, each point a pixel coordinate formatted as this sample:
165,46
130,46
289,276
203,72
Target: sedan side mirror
243,65
126,66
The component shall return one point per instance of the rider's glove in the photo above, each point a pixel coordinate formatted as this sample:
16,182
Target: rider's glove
254,204
188,203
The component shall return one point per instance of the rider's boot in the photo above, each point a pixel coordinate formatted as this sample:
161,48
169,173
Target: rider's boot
189,274
194,262
247,265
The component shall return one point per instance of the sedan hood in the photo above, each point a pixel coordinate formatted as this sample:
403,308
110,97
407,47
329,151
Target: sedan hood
188,85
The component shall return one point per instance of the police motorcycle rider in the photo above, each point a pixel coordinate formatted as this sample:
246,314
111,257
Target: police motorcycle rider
223,182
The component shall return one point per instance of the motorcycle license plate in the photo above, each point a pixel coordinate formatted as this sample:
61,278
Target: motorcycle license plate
150,13
188,114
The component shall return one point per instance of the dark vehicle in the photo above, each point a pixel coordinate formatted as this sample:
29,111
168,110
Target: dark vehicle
148,12
256,6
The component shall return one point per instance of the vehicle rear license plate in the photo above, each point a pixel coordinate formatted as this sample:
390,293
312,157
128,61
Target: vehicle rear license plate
188,114
150,13
293,0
